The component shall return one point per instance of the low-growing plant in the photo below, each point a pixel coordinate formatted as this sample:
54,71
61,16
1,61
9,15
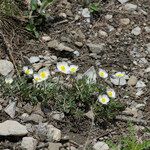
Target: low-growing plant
130,142
37,15
94,7
72,96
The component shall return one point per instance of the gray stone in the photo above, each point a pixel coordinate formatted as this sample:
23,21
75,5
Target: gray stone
59,46
123,1
140,84
136,31
41,131
108,17
10,109
102,33
35,118
6,67
101,146
54,146
1,107
79,44
29,143
148,47
86,13
96,48
130,7
91,75
57,115
34,59
53,134
76,53
132,81
147,29
11,127
46,38
125,21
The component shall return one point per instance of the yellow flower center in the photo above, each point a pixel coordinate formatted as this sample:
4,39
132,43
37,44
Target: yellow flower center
73,70
37,78
43,74
102,74
27,72
120,75
63,68
110,94
103,100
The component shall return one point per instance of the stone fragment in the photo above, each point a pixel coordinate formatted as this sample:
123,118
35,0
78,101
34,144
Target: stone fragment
53,134
123,1
125,21
130,7
29,143
6,67
101,146
96,48
59,46
132,81
54,146
136,31
12,128
11,109
34,59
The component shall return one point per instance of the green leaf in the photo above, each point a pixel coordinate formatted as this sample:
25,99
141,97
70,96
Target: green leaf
34,5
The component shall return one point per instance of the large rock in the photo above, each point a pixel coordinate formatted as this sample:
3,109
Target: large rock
136,31
123,1
6,67
29,143
11,127
130,7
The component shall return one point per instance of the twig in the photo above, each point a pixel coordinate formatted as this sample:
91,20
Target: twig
133,120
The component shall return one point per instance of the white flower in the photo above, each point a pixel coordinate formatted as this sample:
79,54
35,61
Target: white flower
8,80
43,73
104,99
73,69
63,67
120,74
102,73
36,78
27,70
111,93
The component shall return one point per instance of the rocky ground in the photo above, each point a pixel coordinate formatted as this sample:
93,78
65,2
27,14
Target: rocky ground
116,39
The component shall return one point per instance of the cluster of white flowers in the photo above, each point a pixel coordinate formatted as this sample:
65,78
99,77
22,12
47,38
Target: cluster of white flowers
65,68
105,98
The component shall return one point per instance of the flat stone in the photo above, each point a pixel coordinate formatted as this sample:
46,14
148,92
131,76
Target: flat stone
11,127
96,48
123,1
53,134
136,31
79,44
46,38
59,46
130,7
102,33
132,81
91,75
34,118
34,59
125,21
140,84
101,146
57,115
29,143
117,81
6,67
86,13
148,47
54,146
147,29
108,17
10,109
